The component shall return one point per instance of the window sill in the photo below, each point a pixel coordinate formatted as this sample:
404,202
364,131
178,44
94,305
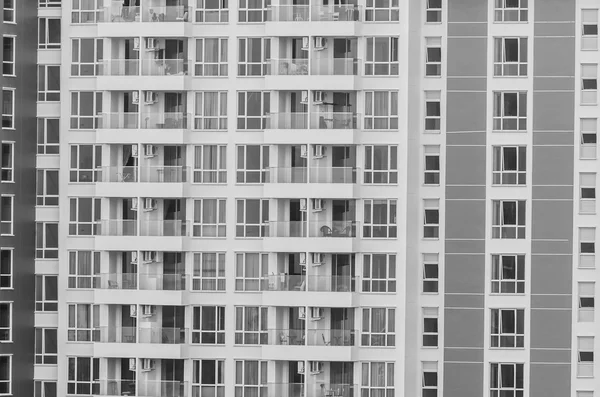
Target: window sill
433,76
589,104
7,181
210,183
8,128
430,293
207,291
587,213
9,75
506,348
6,341
511,22
509,185
7,235
508,294
431,238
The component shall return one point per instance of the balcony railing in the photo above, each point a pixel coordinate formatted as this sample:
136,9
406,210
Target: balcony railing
162,388
289,67
126,281
169,336
119,13
286,336
163,282
119,227
116,387
287,121
335,66
339,229
169,120
319,121
299,13
164,174
287,175
330,337
284,282
119,120
332,283
287,229
120,174
333,175
128,227
117,334
165,67
121,67
331,390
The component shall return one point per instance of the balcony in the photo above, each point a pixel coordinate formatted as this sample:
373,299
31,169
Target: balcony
118,13
318,121
169,336
312,337
311,283
148,282
122,235
335,229
145,388
326,74
121,67
165,67
313,174
116,387
170,120
147,174
119,120
338,19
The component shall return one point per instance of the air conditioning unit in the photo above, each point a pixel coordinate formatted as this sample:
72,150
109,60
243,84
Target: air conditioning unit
150,97
303,259
302,313
303,205
305,43
132,310
150,44
132,364
319,151
318,97
149,204
134,204
300,367
150,151
320,43
135,97
134,257
304,98
317,205
136,44
148,310
134,150
148,364
316,313
304,151
149,256
317,258
316,367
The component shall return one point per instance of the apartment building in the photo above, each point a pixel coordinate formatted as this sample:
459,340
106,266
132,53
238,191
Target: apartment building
300,199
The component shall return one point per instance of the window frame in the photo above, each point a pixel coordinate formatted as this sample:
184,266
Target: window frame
378,285
380,338
42,303
217,175
6,327
245,283
501,229
221,66
243,119
78,13
431,230
204,122
372,121
79,227
372,230
497,388
75,333
39,387
42,357
8,118
200,388
77,119
504,68
431,260
45,94
79,68
6,384
500,337
245,175
201,228
430,331
589,42
587,192
586,298
43,199
258,334
7,227
382,378
589,84
391,66
9,13
76,386
434,11
244,66
6,269
587,256
93,174
222,12
215,332
429,386
588,129
7,172
433,105
585,356
9,66
501,121
244,11
501,12
243,229
387,176
49,3
42,250
501,176
431,171
501,269
200,280
433,65
372,12
43,136
78,276
44,28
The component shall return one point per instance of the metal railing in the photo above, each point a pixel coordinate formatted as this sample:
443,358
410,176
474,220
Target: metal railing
164,67
288,229
335,67
121,67
163,282
289,67
286,336
162,388
126,281
287,121
120,174
334,120
301,13
330,337
332,174
168,120
116,387
164,174
166,14
119,120
332,283
339,229
284,282
171,228
117,334
287,175
169,336
331,390
119,227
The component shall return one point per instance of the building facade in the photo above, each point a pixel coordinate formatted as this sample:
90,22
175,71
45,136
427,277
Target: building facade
301,199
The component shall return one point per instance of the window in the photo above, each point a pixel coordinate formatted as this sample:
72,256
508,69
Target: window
508,274
510,56
431,273
208,378
87,11
252,163
45,388
250,378
381,164
86,109
9,11
212,11
254,56
508,219
83,266
430,327
589,84
378,327
6,321
253,10
8,58
433,56
211,110
589,29
86,162
8,162
253,107
382,56
434,11
46,350
86,57
585,356
48,83
429,381
84,320
510,10
47,187
431,219
433,111
381,110
211,57
587,149
586,393
209,325
506,380
382,11
84,218
251,325
8,108
510,111
5,375
6,215
587,247
380,219
379,273
432,164
250,271
83,376
210,218
510,165
210,164
46,293
252,219
6,268
47,136
507,328
377,379
209,271
46,240
587,193
48,4
48,33
586,296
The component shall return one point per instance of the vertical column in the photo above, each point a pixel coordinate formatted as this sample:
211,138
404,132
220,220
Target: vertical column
552,202
465,205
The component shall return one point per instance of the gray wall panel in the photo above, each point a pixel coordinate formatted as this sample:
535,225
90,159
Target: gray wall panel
464,247
553,111
463,109
541,138
461,165
547,170
554,29
467,56
466,84
551,329
476,138
467,11
554,56
463,379
555,10
456,269
464,328
467,29
551,247
553,192
551,274
552,219
464,355
550,380
552,301
553,83
550,356
465,219
464,301
459,192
